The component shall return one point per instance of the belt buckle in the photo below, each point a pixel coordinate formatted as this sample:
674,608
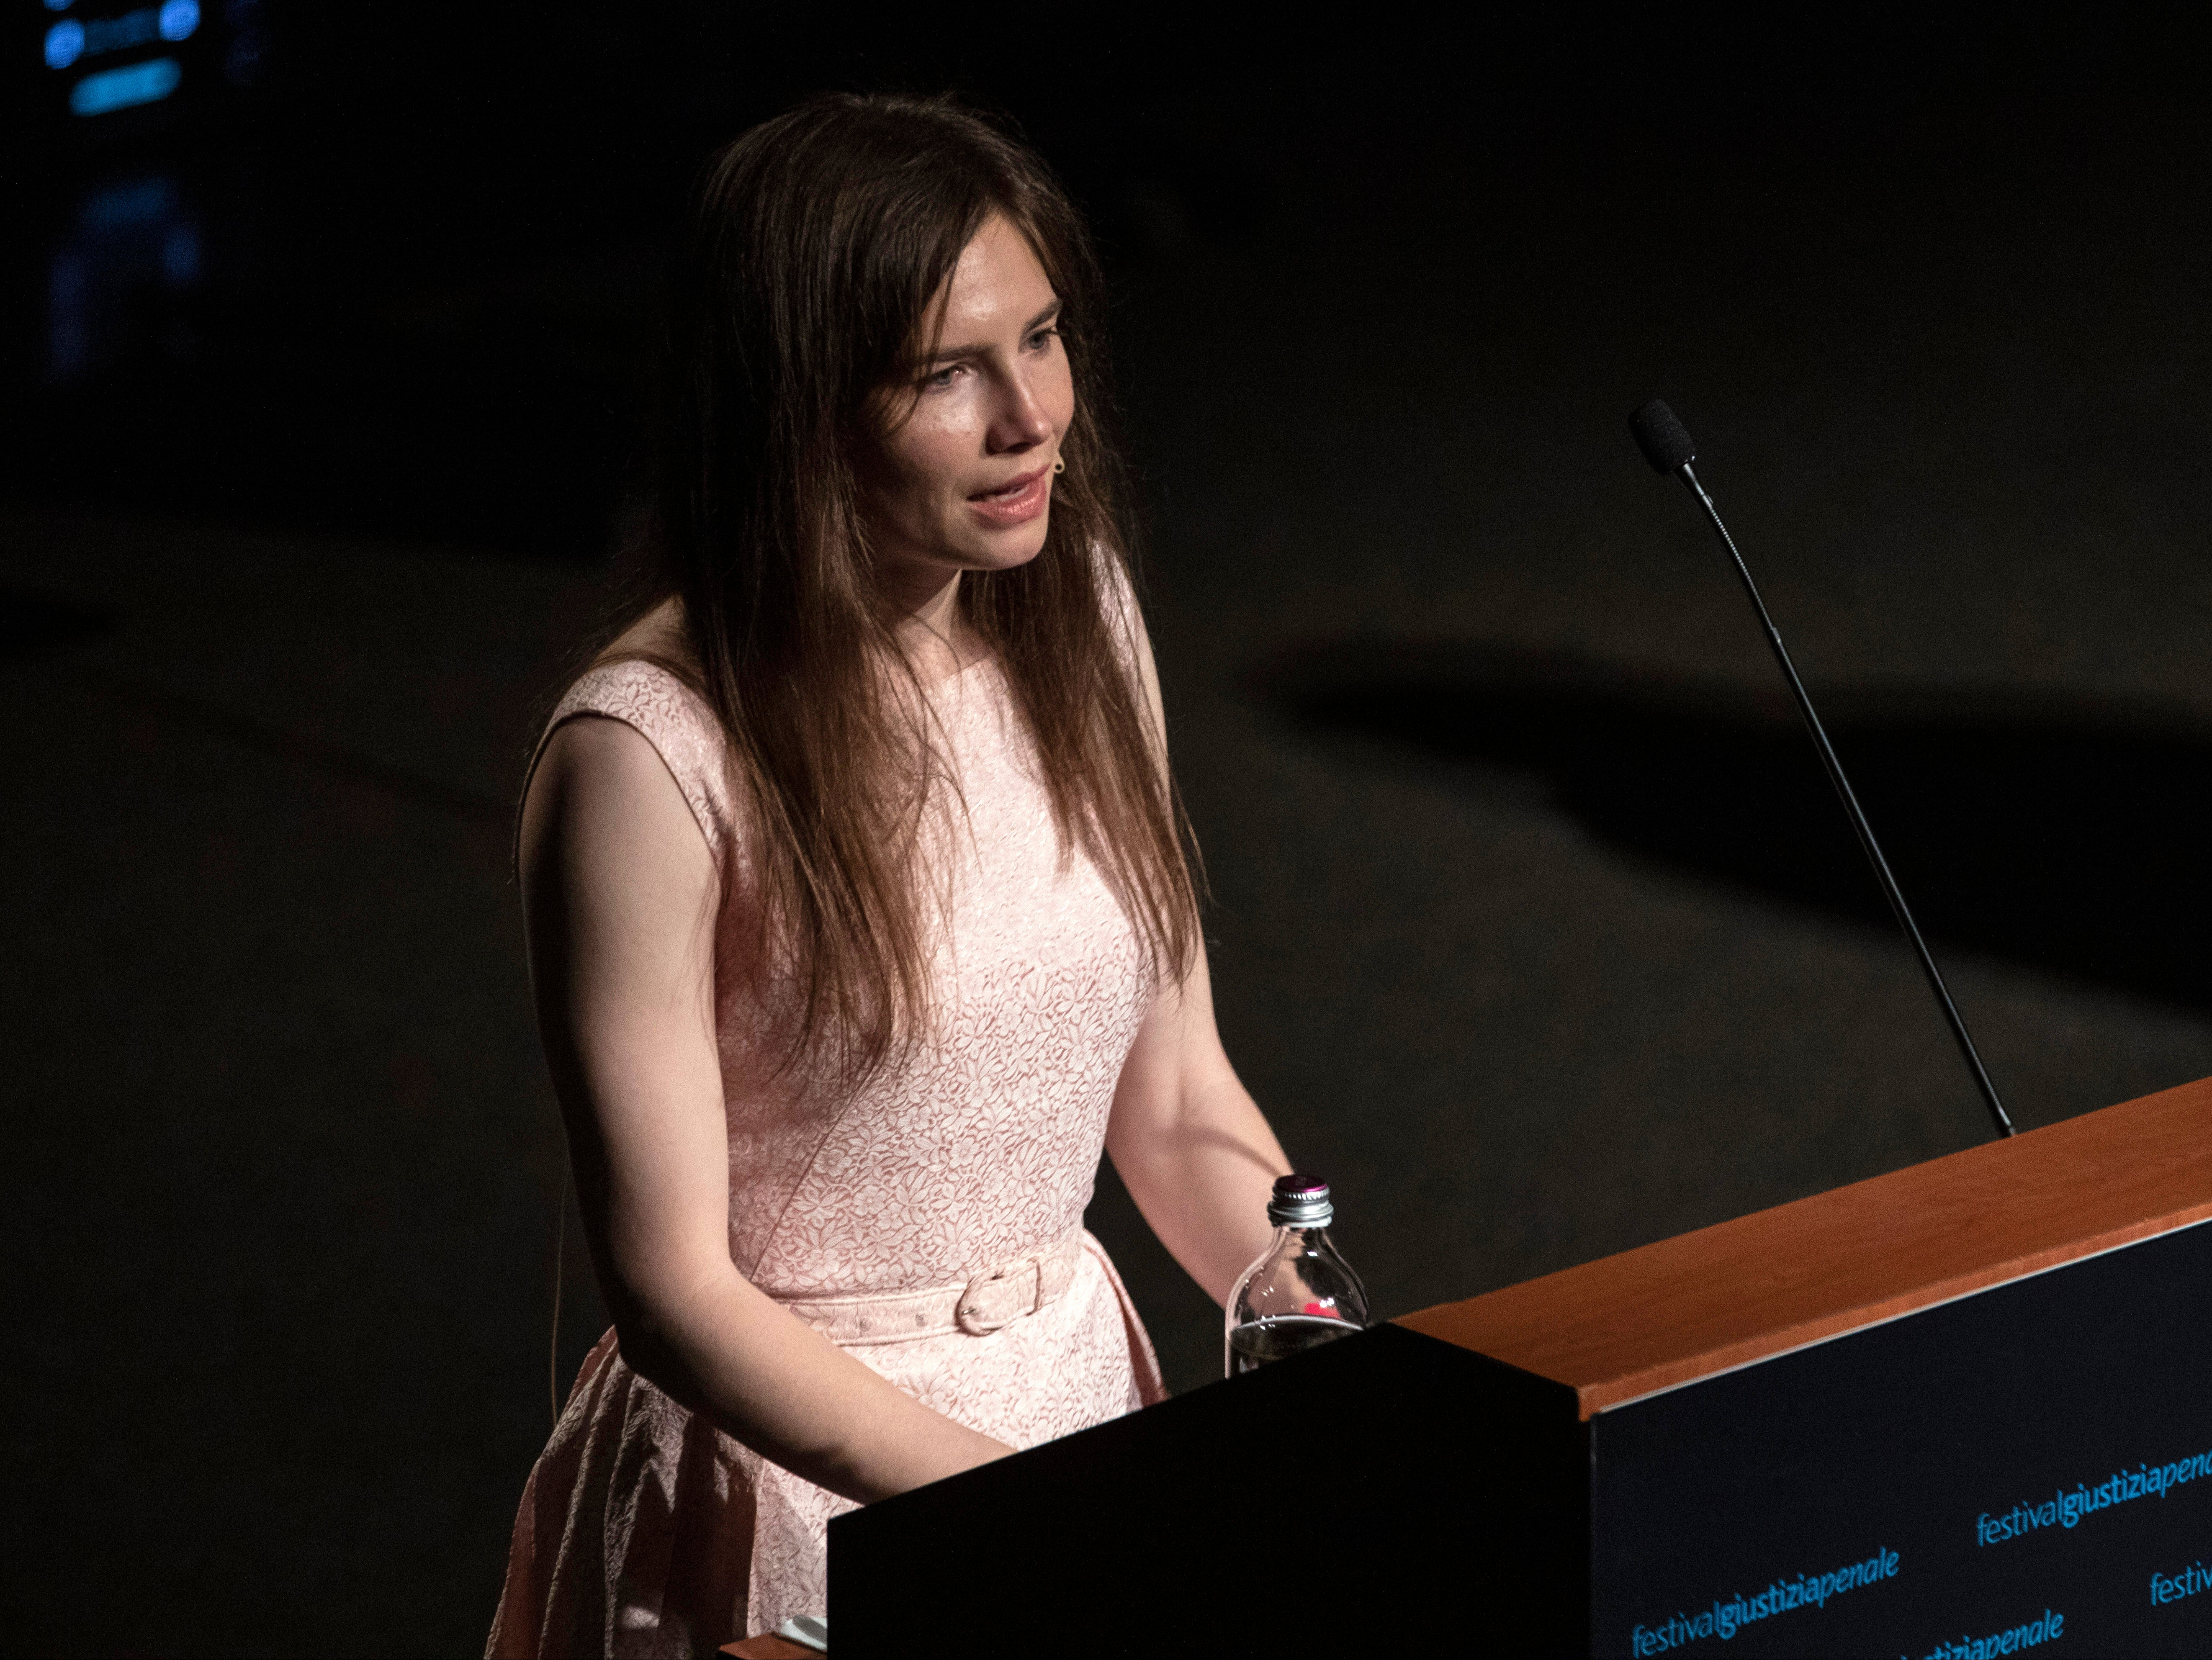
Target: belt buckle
997,1297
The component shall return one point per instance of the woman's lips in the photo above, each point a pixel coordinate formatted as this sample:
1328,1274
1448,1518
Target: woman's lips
1015,503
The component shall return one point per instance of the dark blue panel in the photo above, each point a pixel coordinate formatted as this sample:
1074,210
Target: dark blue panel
2043,1449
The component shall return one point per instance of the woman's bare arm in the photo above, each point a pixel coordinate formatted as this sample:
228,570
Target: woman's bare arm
619,893
1190,1144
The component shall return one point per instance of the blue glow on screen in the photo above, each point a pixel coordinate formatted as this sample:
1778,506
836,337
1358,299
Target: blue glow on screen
64,43
130,236
180,256
128,209
115,89
72,39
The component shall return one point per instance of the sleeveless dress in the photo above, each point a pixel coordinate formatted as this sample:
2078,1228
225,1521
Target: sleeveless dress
643,1530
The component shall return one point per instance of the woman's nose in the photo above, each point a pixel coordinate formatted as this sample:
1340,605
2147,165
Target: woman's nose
1020,421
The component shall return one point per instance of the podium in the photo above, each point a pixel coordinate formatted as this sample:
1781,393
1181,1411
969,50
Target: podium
1962,1409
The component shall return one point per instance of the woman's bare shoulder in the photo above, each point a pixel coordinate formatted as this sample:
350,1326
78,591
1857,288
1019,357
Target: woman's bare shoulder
652,731
601,791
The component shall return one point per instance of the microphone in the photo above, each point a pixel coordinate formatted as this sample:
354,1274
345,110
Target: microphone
1665,445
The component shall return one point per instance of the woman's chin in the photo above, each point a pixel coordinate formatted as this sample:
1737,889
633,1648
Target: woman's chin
1004,550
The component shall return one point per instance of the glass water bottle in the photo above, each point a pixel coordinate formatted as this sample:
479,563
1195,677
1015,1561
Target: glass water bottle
1300,1293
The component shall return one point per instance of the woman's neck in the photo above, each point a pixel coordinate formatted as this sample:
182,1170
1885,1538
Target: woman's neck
932,638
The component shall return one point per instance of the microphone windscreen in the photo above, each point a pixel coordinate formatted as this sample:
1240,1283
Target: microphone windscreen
1662,437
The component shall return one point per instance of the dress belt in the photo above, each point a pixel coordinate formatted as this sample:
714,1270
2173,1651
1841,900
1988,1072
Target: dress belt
995,1297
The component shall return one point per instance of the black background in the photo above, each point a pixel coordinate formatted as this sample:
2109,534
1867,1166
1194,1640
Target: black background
1532,929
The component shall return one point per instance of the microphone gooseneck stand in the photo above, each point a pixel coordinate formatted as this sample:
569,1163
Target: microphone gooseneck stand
1665,445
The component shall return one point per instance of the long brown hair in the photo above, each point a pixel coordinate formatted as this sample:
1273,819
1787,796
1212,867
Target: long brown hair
817,245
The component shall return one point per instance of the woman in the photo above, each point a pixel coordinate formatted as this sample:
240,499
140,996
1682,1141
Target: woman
858,917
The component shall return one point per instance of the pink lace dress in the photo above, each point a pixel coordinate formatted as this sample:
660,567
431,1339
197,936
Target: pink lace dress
643,1529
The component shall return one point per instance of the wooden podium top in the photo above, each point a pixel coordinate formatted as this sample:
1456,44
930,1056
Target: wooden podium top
1685,1308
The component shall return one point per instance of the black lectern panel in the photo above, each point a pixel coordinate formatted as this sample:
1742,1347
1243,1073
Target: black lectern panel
2033,1463
2026,1470
1314,1506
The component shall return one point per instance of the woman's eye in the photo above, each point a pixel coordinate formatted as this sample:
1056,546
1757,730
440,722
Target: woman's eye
942,378
1038,340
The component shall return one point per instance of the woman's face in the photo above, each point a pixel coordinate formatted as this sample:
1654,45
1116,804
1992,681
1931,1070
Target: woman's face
966,483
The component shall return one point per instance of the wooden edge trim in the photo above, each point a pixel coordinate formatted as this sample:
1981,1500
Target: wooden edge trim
1608,1393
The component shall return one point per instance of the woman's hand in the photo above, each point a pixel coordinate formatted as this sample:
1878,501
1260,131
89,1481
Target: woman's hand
620,897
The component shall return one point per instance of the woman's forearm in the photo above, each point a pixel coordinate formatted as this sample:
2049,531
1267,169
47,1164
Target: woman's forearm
1203,1177
725,1349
